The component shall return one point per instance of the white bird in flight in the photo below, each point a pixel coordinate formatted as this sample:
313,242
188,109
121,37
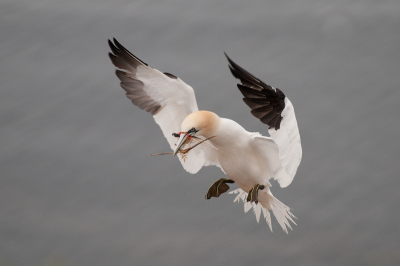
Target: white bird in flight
202,138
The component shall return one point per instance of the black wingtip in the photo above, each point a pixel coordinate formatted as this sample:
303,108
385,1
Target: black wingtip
229,60
226,55
113,48
116,47
266,103
117,44
233,64
233,67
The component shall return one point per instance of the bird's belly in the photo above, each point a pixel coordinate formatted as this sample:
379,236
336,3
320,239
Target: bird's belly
244,169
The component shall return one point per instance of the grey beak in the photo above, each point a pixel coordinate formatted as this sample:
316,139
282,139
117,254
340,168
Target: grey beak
181,141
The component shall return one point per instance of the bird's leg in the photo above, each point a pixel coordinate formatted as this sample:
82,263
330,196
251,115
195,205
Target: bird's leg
253,193
218,188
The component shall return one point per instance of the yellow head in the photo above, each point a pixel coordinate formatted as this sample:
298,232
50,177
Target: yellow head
200,123
204,122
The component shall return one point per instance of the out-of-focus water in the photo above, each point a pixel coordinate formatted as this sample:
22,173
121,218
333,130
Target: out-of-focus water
78,185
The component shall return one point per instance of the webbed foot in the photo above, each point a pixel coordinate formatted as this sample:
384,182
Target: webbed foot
219,187
253,193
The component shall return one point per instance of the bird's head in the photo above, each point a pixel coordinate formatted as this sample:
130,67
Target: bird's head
200,123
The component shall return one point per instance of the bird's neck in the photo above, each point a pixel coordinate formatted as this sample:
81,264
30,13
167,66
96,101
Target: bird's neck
228,134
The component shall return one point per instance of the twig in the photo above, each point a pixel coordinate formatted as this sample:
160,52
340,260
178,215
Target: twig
164,153
184,151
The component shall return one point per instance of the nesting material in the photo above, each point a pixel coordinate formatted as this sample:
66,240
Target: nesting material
184,152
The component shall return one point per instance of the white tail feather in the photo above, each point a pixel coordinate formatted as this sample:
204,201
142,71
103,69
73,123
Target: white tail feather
267,202
257,211
240,196
267,217
247,206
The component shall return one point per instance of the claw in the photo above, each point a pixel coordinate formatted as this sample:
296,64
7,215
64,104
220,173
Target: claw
218,187
253,193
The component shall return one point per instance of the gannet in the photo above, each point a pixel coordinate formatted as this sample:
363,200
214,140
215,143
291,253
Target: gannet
202,138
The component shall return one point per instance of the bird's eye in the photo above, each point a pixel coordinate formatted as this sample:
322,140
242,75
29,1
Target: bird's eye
192,130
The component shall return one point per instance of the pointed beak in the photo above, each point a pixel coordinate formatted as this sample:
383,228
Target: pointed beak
180,143
183,137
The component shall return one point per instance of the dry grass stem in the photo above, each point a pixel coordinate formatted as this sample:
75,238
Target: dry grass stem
183,152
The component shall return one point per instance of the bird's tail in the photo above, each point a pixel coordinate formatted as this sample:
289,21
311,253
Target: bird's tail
267,202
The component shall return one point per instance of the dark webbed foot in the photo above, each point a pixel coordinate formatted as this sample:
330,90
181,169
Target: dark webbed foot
218,188
253,193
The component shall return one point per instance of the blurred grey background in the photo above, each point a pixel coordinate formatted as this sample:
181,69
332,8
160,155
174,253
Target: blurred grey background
78,185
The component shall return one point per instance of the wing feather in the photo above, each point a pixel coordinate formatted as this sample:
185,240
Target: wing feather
165,96
273,108
288,140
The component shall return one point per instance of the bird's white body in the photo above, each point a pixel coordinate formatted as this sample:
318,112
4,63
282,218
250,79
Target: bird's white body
247,158
239,155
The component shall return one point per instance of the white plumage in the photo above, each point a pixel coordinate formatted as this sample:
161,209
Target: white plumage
248,159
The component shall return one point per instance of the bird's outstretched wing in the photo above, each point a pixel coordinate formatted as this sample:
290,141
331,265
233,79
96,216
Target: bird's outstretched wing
273,108
165,96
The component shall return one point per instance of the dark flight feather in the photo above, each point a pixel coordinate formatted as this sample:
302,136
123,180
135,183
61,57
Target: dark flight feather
250,93
170,75
125,60
266,103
